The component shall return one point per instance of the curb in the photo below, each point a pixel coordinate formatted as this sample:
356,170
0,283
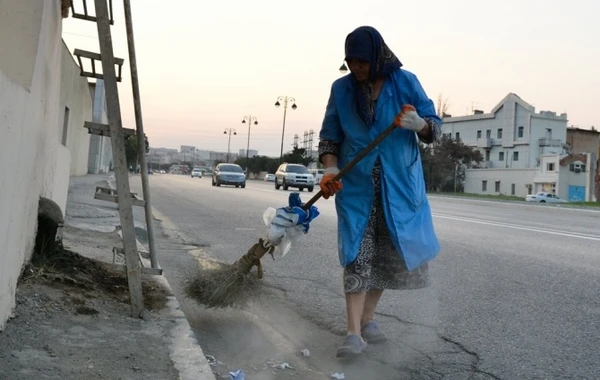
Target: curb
185,350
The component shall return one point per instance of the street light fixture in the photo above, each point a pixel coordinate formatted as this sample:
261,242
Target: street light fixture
285,100
229,131
251,120
343,68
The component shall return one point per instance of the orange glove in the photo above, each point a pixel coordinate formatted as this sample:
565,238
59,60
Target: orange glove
328,186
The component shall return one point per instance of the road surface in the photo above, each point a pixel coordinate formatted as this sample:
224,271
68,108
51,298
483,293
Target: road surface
514,294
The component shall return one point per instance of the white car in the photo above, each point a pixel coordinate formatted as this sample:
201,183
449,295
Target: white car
197,173
543,197
269,177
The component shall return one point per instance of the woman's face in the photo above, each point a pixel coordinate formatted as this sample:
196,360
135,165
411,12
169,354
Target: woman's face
359,68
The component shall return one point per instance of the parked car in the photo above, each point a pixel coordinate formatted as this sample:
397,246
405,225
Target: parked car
229,174
269,177
197,172
543,197
294,175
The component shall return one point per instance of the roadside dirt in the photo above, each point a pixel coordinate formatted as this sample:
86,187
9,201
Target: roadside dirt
72,321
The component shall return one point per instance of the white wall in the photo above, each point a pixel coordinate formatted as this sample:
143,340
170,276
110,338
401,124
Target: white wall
507,177
29,104
100,147
74,95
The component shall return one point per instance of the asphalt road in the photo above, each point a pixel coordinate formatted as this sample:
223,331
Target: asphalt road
515,292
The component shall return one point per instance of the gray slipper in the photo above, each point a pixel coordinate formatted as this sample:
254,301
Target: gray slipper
353,346
372,333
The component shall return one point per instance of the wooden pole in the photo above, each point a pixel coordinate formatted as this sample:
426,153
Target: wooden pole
134,275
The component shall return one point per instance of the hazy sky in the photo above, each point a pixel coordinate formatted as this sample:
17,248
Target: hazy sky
204,65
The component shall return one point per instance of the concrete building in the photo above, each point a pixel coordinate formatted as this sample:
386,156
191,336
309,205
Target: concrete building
524,151
251,153
43,103
581,140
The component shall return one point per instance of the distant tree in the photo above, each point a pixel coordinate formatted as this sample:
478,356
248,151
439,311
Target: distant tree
444,163
297,156
442,106
132,149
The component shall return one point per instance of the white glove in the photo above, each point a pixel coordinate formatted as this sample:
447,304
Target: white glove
332,170
411,120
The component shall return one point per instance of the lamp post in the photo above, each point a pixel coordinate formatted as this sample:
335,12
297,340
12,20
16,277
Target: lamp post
229,131
251,120
285,100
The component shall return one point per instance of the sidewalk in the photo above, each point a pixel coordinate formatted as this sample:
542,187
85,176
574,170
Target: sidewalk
72,319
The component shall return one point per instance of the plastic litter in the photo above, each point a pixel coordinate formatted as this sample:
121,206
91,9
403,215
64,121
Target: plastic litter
338,376
305,352
237,375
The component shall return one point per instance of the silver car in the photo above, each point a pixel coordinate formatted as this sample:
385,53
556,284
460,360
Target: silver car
294,175
229,174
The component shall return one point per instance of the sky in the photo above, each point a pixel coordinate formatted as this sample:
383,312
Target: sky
204,65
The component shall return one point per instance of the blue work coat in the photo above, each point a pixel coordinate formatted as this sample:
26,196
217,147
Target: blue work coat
405,205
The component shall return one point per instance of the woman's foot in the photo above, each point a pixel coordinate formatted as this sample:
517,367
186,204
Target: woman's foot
353,346
372,333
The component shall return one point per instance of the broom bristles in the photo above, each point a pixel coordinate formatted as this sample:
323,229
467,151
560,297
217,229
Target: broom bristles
219,285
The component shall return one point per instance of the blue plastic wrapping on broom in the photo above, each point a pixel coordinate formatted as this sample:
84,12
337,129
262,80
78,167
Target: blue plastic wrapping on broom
304,216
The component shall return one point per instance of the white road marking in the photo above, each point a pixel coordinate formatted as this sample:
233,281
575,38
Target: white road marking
521,227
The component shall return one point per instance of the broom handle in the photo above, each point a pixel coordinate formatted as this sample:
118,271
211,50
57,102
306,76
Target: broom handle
353,163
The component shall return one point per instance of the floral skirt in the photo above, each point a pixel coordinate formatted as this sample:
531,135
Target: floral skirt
378,264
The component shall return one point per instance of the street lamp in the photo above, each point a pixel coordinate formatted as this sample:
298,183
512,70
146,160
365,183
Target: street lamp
343,68
285,100
229,131
251,120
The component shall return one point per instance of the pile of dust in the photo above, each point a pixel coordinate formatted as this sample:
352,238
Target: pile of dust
64,268
218,285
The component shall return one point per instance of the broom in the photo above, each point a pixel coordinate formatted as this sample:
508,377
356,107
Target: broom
219,285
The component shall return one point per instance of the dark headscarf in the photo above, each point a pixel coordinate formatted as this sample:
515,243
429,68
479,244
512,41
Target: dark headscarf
365,43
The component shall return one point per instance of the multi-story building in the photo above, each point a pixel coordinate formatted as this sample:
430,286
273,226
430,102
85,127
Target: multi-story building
251,153
524,151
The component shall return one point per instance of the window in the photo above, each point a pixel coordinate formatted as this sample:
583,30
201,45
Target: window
550,167
497,189
487,155
488,133
520,131
478,134
500,156
515,156
448,135
483,185
65,131
457,136
513,189
500,133
577,168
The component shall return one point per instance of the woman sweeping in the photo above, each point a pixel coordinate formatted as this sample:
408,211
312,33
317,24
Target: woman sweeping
386,234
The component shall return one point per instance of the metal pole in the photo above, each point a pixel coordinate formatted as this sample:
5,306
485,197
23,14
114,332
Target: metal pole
285,103
137,104
248,146
134,273
228,145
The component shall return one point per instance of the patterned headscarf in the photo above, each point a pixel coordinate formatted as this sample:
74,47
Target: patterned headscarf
365,43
